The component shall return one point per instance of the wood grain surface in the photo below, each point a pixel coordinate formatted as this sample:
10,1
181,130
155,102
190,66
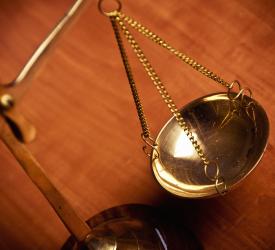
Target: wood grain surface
88,133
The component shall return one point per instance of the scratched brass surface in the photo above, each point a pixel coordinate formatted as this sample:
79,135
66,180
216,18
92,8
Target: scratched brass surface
88,147
233,139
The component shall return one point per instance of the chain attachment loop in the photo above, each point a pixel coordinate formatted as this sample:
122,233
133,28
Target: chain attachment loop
211,168
207,171
112,12
221,190
149,141
240,94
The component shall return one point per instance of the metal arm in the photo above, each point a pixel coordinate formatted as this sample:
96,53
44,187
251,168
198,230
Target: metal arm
10,92
39,56
9,118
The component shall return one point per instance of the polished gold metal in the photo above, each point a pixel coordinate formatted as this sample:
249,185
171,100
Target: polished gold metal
238,105
126,228
118,228
6,101
135,227
237,147
161,89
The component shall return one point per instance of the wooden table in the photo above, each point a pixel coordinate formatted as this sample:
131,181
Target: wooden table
88,133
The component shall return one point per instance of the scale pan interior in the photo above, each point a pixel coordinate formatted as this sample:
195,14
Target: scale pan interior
236,142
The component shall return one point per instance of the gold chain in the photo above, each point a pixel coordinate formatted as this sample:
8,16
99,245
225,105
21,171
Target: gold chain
117,17
155,38
141,115
162,90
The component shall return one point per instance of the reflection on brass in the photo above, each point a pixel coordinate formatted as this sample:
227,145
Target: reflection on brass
135,227
6,101
169,167
237,146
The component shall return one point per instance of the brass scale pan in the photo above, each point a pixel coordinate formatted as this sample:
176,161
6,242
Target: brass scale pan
231,128
236,138
237,144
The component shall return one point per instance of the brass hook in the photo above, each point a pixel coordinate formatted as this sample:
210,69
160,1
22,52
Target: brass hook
109,13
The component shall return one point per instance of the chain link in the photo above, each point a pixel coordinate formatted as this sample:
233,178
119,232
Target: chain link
120,18
162,90
155,38
141,115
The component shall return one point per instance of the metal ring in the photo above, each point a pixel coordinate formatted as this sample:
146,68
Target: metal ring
231,87
249,92
157,153
220,180
249,95
149,140
144,148
233,83
109,13
154,149
217,172
151,143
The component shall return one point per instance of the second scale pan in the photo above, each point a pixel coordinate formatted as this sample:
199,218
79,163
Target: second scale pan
135,227
235,140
